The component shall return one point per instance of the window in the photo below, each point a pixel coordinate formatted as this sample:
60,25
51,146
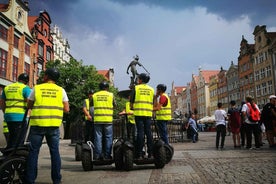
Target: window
27,68
15,42
48,53
41,48
14,68
3,33
39,69
27,49
3,62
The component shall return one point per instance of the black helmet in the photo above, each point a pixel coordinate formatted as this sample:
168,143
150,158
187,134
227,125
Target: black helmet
161,87
90,91
103,85
144,77
23,77
52,74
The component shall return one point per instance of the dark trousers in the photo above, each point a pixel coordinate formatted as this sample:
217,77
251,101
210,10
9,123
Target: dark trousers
252,128
243,133
17,133
89,131
221,132
131,132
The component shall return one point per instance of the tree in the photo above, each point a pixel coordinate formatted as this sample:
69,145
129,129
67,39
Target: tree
77,79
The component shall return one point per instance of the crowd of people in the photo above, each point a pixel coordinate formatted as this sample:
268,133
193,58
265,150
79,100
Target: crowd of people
247,122
44,106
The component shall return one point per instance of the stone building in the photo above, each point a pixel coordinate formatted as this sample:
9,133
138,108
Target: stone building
263,64
61,46
40,27
233,87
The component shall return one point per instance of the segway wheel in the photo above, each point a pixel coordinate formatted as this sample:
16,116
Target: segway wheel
169,152
128,159
78,152
12,170
160,157
86,160
118,158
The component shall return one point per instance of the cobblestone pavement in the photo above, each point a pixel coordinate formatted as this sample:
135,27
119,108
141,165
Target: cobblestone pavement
192,163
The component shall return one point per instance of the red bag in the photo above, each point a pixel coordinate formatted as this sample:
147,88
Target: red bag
254,113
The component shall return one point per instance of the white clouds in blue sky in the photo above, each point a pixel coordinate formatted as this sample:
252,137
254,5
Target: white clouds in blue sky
171,43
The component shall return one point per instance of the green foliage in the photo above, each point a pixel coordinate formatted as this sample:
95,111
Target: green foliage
77,79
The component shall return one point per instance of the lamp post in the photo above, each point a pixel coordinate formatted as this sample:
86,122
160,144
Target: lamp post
34,72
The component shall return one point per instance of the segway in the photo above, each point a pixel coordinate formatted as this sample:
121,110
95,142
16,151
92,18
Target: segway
159,154
123,149
13,160
87,158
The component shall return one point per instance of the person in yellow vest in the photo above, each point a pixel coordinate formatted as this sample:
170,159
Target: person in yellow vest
88,113
163,111
14,104
103,102
131,135
48,102
5,130
141,102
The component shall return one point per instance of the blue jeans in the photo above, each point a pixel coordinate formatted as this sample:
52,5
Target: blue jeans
36,136
163,131
143,125
103,133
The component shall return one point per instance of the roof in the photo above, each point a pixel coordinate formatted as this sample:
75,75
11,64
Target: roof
208,73
104,73
32,21
3,6
179,89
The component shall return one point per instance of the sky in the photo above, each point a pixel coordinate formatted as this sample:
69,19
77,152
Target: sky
173,38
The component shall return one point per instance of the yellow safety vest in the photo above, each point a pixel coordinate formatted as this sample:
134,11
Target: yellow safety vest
130,117
103,107
14,98
165,113
48,106
143,104
87,107
5,127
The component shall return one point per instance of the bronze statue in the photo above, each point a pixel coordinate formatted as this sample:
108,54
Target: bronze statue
132,66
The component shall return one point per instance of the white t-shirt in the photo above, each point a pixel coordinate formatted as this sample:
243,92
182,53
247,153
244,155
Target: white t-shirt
220,116
245,108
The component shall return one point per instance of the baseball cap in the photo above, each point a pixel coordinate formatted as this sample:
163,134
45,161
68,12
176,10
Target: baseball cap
272,96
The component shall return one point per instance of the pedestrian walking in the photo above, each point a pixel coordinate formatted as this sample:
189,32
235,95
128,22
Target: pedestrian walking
267,117
220,118
193,127
103,102
48,101
141,102
14,104
251,113
88,116
234,120
163,111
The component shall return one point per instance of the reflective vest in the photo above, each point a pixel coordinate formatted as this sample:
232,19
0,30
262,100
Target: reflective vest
5,127
87,107
165,113
103,107
14,98
143,104
48,106
129,112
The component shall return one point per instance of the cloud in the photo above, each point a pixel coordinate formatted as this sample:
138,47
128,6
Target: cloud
172,40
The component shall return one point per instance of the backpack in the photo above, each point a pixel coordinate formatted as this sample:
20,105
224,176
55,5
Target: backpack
254,114
235,116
